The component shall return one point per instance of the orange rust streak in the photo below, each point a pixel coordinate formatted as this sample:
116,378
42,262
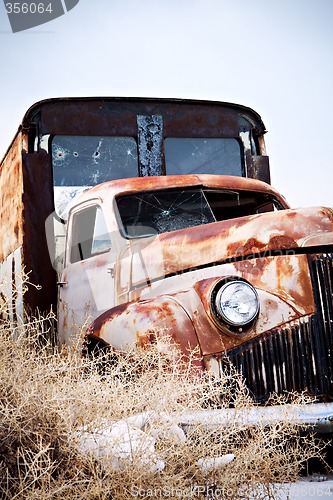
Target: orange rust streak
11,188
96,327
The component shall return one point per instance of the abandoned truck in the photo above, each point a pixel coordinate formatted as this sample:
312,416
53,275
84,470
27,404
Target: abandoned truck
155,217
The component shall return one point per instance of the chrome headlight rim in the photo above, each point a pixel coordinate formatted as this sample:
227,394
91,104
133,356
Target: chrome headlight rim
223,320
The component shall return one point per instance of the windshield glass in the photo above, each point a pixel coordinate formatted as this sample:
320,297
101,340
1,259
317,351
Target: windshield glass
163,211
203,156
144,214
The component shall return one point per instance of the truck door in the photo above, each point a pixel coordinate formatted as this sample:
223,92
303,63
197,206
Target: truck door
86,288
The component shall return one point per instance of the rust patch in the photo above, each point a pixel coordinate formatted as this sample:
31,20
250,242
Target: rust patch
97,325
291,214
303,292
282,242
160,309
149,320
148,339
254,246
166,321
253,267
284,269
251,246
16,230
204,287
11,188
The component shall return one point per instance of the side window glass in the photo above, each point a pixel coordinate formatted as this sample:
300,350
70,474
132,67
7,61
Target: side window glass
101,238
90,235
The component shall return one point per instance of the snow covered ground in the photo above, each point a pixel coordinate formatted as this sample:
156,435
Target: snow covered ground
117,443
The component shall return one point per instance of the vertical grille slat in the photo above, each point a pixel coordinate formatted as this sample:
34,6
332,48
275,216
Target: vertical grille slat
295,357
303,361
309,377
298,357
329,302
279,363
283,346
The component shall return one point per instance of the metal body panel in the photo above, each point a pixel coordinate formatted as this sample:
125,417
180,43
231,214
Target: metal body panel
87,292
26,202
11,189
154,321
107,115
11,288
193,296
232,239
122,187
38,206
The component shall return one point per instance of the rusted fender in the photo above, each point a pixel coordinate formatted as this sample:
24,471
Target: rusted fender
161,320
182,324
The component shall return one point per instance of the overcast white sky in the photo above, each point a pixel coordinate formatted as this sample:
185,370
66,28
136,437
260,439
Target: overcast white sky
272,55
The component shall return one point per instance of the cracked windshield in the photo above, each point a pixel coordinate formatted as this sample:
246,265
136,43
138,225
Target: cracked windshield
163,211
145,214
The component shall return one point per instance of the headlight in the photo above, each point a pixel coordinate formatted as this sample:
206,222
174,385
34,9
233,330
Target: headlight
236,303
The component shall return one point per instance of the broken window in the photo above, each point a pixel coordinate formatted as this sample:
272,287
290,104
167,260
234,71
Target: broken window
230,204
203,156
87,161
145,214
80,162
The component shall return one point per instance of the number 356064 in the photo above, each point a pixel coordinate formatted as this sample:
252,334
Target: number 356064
28,8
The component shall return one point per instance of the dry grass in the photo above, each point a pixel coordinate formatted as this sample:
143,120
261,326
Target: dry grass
47,397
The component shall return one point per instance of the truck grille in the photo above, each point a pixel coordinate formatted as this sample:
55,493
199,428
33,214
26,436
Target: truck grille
298,357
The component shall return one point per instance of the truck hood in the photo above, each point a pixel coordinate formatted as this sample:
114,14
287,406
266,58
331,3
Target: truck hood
199,246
